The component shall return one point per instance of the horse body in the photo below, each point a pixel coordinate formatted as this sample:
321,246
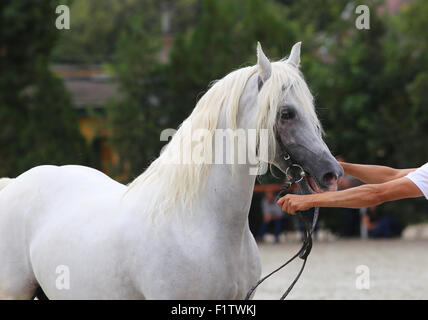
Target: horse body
55,223
111,250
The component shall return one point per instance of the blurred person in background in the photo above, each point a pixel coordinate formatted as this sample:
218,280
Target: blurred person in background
351,217
382,184
381,226
271,213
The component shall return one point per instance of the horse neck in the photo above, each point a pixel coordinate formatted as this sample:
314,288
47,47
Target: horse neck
229,188
227,195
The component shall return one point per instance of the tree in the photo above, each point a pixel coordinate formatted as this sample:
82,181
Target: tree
95,29
97,26
38,125
369,87
224,39
156,96
136,115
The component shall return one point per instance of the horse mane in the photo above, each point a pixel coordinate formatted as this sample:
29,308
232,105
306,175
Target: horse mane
181,183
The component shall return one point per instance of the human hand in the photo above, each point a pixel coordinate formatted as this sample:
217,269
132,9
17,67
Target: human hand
291,203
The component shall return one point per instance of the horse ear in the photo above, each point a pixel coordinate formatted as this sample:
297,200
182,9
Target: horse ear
294,57
263,64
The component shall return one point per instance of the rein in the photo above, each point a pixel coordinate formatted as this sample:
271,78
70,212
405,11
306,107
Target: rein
308,227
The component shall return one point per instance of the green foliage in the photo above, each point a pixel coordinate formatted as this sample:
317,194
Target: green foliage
224,39
95,28
38,125
157,96
370,87
136,116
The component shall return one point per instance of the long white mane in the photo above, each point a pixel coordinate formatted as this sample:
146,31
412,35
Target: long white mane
181,183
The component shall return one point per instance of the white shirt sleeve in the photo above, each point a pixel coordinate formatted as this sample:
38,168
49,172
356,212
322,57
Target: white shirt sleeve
420,178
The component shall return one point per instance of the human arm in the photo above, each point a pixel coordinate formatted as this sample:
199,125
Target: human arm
358,197
373,174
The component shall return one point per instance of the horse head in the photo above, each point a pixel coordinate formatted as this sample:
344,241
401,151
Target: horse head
296,134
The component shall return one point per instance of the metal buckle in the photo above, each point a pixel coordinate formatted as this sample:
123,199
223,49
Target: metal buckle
302,173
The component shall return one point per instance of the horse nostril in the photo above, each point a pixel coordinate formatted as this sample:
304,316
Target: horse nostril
328,178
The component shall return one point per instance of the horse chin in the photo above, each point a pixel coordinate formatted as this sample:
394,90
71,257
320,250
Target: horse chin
309,185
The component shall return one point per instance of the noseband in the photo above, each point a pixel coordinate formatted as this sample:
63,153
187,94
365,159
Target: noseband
293,177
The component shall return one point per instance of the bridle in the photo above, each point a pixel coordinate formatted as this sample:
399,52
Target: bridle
305,250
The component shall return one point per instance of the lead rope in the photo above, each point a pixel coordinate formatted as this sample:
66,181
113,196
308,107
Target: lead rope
306,248
303,254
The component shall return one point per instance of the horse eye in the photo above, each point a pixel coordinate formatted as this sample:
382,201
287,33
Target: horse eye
287,115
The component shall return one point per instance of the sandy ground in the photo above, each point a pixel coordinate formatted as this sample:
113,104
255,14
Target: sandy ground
398,269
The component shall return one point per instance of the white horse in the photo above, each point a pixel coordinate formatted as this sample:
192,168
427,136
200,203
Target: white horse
179,231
